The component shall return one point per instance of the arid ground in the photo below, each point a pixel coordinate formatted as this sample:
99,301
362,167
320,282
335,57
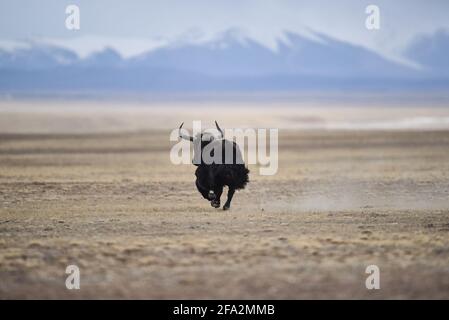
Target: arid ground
96,192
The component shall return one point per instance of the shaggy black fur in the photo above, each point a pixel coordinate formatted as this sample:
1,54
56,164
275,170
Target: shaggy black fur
211,178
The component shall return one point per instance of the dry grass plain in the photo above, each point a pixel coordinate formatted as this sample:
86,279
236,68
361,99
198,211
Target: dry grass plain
113,204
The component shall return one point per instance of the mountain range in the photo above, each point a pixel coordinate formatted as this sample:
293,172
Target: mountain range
232,62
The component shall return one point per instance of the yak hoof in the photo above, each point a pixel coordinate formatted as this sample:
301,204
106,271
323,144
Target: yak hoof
211,195
226,207
215,203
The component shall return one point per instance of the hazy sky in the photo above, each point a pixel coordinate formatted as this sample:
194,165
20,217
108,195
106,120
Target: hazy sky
134,26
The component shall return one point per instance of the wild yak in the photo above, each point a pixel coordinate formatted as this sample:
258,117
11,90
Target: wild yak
212,176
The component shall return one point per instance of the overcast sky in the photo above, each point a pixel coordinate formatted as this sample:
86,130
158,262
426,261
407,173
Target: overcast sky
134,26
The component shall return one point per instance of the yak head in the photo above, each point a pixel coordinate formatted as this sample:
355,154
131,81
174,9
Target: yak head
200,141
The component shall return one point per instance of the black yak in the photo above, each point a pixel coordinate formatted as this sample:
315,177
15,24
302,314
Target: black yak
225,170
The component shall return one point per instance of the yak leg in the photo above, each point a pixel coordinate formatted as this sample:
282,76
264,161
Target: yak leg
227,205
216,202
204,192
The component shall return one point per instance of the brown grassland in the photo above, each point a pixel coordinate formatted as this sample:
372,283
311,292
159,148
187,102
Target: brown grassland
113,204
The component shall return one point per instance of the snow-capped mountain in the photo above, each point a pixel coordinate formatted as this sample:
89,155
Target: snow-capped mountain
36,57
230,62
431,52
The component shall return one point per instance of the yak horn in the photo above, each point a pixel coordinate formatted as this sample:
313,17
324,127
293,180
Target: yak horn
219,129
183,136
